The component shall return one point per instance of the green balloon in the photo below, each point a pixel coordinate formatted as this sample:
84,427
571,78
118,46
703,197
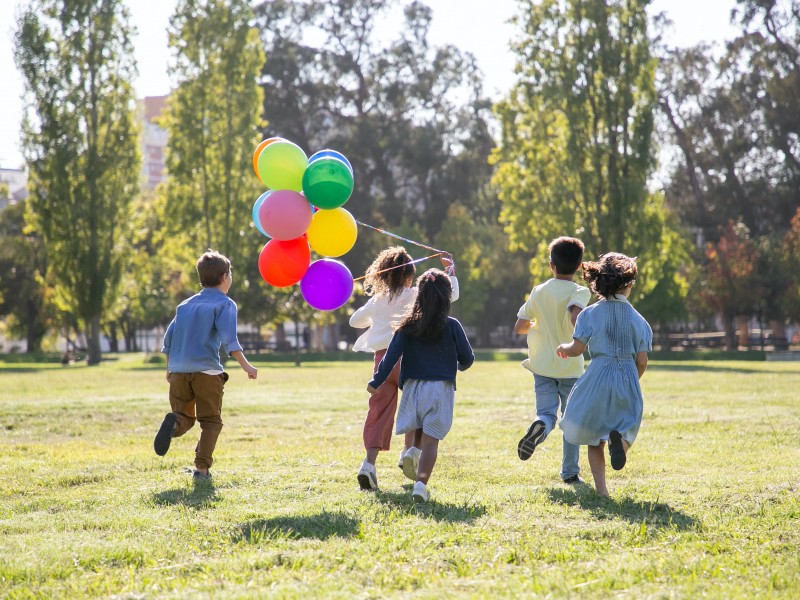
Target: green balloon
281,166
327,183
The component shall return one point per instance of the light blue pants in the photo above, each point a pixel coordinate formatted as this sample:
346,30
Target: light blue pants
550,393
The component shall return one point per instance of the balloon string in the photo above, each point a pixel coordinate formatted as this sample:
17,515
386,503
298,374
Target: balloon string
394,235
413,262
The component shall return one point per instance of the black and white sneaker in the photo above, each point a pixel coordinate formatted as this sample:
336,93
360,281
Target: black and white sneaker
531,439
165,433
368,476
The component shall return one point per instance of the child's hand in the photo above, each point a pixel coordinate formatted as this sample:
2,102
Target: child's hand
448,263
561,351
371,389
252,372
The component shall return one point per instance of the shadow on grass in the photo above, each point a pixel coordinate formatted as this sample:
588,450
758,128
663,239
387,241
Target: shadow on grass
438,511
716,368
656,514
202,495
320,526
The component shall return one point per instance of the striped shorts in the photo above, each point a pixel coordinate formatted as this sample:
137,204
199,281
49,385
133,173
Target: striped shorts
426,405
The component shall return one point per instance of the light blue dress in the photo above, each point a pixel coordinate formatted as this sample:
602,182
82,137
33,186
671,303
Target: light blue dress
608,395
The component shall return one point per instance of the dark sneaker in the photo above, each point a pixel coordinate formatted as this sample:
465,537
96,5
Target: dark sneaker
617,450
575,479
530,440
200,476
165,433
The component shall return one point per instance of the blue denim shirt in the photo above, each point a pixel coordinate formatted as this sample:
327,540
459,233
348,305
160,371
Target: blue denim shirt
202,324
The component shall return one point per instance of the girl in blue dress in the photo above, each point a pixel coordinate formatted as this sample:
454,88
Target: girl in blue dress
606,403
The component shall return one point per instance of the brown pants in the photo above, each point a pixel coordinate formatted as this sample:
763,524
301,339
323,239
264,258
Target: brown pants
379,426
198,397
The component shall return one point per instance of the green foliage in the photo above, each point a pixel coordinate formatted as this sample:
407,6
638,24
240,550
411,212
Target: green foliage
87,510
80,143
576,150
213,120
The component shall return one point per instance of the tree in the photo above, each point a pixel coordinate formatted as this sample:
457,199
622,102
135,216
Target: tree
213,120
80,143
411,118
731,285
576,145
25,297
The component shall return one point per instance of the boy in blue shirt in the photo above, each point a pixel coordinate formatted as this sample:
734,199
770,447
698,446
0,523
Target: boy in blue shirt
202,324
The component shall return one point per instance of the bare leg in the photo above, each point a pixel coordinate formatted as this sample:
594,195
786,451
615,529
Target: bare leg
372,455
409,439
597,463
430,451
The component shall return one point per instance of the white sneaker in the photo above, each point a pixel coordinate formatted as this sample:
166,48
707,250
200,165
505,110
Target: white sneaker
368,476
400,460
420,492
411,463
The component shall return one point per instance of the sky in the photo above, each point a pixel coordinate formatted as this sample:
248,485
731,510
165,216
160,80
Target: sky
464,23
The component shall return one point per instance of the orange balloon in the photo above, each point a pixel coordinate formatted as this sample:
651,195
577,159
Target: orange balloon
259,148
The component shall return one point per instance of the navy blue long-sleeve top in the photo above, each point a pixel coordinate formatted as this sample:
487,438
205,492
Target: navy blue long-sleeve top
426,360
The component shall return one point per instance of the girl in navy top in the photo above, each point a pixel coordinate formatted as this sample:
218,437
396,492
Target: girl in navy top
433,347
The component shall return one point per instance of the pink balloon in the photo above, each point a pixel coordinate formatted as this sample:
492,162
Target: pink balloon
285,214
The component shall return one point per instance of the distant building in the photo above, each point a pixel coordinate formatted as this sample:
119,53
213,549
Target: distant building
153,142
17,182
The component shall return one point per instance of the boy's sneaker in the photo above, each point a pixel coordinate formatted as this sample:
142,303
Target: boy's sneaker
420,492
165,433
411,463
617,450
532,438
368,476
200,476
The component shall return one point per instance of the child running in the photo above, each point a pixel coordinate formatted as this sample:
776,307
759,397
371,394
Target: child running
433,347
606,403
203,325
389,281
548,317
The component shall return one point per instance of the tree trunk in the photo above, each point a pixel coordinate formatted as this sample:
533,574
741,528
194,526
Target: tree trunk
33,341
744,330
778,337
112,338
730,333
93,340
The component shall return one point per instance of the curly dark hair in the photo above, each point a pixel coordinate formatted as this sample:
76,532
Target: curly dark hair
610,274
389,273
427,318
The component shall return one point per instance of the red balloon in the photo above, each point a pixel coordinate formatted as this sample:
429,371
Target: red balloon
284,262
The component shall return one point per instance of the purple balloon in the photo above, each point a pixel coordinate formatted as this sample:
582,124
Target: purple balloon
327,285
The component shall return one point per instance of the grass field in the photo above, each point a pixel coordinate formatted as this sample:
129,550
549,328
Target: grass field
708,505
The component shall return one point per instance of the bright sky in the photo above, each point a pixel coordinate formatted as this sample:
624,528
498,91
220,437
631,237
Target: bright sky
465,23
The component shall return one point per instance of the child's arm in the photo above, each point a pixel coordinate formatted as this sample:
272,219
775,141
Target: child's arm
389,360
167,357
571,350
522,326
251,371
641,363
574,311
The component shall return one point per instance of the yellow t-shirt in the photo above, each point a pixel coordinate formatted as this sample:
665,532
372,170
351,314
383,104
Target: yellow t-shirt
547,308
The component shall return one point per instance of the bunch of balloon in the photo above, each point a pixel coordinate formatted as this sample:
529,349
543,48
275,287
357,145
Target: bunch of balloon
302,211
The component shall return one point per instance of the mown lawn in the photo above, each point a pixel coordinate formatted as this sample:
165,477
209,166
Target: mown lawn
708,505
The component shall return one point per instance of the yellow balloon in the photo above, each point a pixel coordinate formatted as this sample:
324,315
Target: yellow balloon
332,232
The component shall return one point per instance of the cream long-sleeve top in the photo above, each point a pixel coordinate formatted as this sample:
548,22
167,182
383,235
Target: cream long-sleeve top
382,315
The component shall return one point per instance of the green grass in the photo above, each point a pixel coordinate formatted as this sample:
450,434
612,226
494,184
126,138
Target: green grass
708,505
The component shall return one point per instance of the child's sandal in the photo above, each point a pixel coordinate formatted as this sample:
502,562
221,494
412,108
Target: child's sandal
617,450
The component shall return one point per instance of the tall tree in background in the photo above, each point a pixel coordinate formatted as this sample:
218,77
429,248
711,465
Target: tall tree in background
213,118
734,122
411,118
576,150
80,144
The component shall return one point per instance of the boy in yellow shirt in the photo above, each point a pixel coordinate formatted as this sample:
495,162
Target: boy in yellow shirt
548,318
